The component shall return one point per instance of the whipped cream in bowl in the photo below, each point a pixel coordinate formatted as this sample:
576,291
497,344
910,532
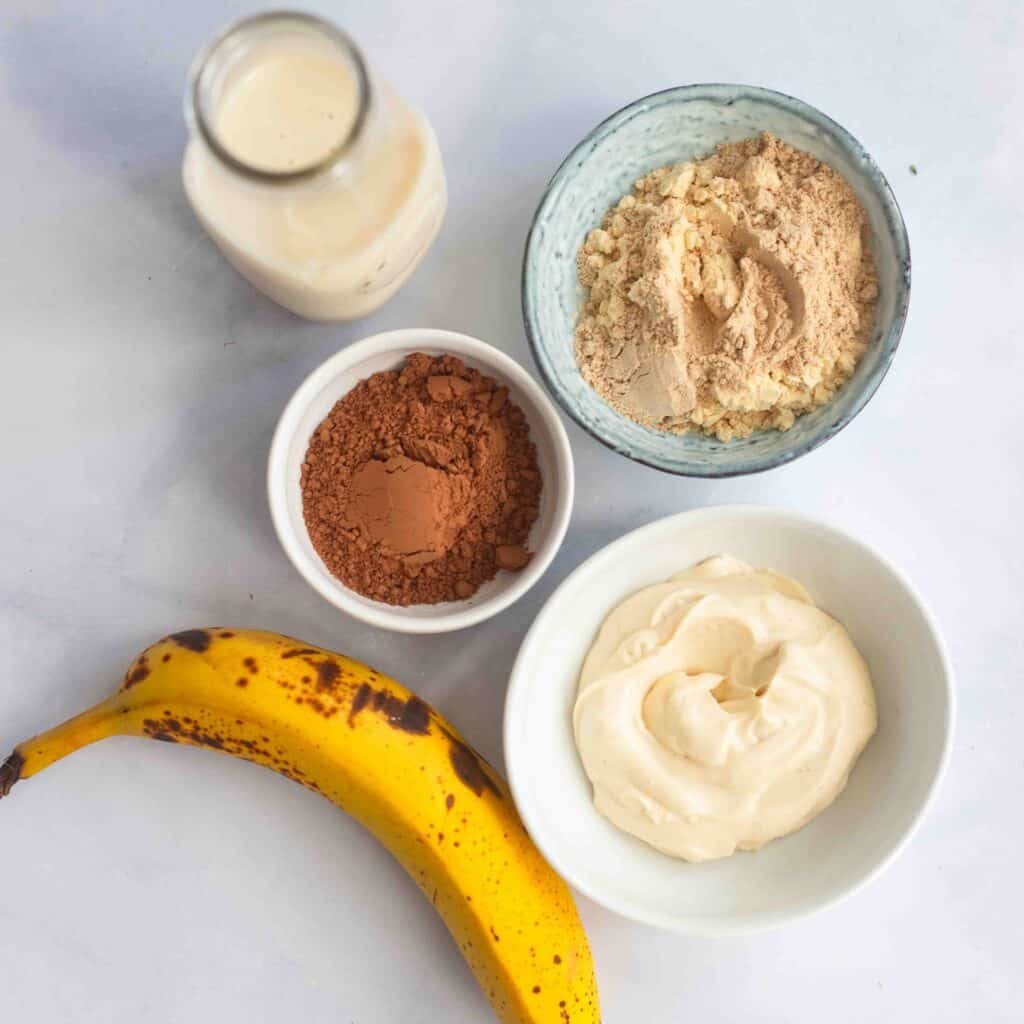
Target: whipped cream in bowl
719,745
720,710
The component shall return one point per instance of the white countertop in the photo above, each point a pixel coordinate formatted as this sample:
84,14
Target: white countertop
142,379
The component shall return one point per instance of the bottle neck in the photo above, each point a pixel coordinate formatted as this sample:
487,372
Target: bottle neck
281,98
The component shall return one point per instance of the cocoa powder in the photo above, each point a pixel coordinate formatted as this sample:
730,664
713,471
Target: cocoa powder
422,483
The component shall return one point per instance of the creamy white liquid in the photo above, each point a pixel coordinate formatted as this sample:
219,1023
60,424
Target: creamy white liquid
287,111
335,246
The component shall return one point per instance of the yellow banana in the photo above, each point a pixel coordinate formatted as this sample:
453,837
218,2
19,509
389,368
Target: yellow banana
381,754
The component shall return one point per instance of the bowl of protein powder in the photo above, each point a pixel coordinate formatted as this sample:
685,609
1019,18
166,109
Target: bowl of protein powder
716,280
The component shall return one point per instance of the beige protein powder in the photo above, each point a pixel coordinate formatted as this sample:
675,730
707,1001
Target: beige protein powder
728,295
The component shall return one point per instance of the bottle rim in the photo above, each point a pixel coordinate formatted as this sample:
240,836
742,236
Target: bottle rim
196,112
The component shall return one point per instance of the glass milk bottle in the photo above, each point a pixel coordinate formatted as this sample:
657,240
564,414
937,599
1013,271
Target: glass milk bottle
321,186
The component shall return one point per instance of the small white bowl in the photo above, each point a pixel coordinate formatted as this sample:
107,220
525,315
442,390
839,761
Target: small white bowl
843,848
336,377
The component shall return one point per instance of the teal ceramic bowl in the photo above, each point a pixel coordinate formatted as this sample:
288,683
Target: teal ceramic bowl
685,124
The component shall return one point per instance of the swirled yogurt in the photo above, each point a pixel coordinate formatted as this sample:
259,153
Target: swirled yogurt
720,710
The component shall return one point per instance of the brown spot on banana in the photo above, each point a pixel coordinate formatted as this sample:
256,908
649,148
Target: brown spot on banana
468,768
359,701
327,673
411,715
197,640
195,734
136,675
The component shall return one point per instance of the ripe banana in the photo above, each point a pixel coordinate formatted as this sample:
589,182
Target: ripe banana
381,754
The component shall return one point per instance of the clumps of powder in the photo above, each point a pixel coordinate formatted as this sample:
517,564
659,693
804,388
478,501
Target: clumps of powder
422,483
728,295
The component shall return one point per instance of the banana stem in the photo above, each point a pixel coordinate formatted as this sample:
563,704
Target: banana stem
31,757
10,772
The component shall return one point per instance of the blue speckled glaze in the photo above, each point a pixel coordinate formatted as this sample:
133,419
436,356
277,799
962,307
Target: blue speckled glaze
686,124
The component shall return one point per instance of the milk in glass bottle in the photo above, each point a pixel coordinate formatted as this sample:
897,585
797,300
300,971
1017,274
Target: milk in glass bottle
321,185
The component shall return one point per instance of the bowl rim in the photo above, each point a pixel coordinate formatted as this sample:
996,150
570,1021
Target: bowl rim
486,357
890,341
735,924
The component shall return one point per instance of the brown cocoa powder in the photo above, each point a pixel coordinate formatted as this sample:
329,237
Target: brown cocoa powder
422,483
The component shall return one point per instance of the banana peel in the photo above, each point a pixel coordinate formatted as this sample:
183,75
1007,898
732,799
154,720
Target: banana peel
384,756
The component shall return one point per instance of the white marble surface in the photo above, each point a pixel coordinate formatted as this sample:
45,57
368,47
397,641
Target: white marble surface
141,381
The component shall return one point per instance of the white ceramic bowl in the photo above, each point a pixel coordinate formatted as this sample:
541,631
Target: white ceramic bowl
314,400
843,848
